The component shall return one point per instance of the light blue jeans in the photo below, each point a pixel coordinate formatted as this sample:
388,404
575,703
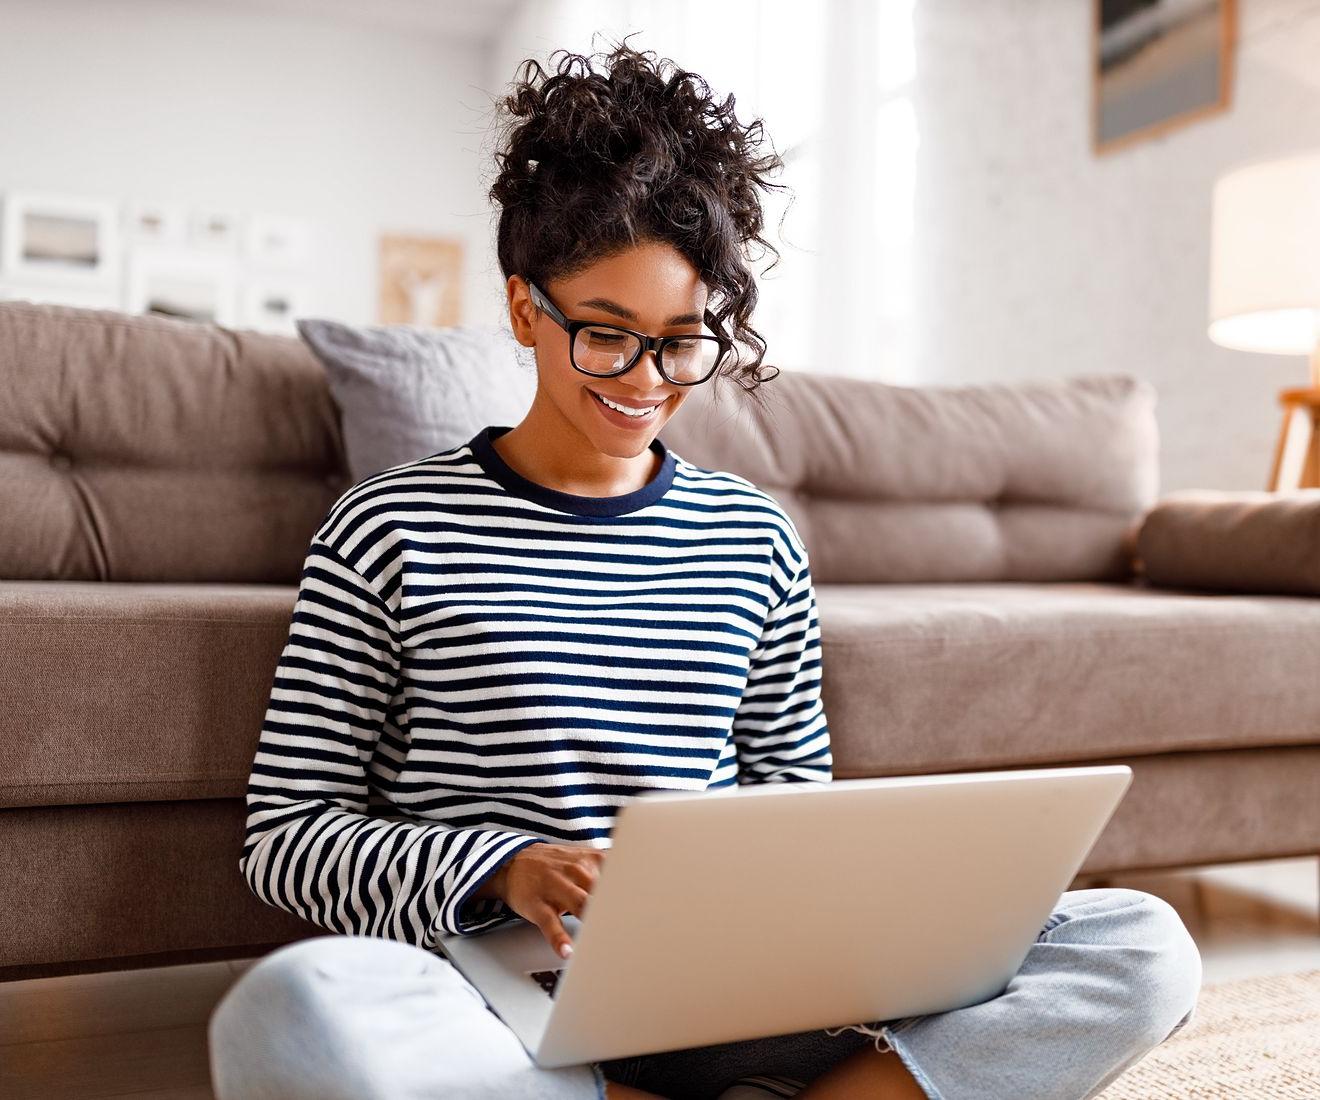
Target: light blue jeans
1112,974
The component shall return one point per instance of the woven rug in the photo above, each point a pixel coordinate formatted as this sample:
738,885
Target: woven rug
1253,1039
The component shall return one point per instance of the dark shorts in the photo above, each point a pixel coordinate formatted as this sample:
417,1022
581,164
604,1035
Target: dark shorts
702,1073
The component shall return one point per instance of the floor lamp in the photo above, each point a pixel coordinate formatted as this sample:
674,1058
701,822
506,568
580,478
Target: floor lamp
1265,290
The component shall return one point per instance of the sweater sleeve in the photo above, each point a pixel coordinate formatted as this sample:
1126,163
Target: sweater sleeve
310,847
779,729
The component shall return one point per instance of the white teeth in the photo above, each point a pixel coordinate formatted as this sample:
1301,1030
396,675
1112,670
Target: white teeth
622,408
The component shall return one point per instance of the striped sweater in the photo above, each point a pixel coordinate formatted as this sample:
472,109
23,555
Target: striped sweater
477,663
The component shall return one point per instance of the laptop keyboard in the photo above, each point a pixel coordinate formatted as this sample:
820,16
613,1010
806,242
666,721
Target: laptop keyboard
546,979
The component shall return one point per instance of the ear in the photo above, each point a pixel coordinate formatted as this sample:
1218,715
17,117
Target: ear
523,313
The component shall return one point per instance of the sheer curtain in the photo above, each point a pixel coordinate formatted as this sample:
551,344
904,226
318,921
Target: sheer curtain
833,84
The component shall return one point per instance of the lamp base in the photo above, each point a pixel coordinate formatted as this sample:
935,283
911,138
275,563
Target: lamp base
1297,454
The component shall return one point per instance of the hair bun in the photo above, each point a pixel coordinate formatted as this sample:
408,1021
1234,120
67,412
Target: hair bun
594,160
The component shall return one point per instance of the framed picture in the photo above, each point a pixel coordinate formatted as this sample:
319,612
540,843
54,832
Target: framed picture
1158,65
215,230
155,223
272,305
59,239
181,284
276,240
420,281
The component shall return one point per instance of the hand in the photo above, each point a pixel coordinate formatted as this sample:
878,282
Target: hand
543,881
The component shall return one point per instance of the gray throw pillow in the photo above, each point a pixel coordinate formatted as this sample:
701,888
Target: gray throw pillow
408,391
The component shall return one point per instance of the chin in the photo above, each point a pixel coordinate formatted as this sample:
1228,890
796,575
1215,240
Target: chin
622,448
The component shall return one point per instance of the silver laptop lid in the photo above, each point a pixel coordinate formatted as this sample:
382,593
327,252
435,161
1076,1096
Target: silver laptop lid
773,908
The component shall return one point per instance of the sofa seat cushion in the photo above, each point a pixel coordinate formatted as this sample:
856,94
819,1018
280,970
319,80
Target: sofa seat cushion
128,692
950,677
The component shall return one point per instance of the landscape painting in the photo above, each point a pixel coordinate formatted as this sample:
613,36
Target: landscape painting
1159,64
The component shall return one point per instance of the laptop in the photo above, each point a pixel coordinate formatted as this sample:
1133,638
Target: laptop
772,908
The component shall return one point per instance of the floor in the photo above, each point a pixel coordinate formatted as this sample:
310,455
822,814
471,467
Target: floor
142,1033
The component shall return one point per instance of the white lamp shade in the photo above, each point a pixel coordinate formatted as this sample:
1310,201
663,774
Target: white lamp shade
1265,257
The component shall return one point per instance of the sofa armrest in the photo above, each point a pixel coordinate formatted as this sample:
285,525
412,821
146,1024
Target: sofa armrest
1236,541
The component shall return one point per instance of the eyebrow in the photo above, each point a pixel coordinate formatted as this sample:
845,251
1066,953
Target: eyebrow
629,315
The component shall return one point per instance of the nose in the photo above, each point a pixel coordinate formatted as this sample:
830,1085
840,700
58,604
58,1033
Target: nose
649,376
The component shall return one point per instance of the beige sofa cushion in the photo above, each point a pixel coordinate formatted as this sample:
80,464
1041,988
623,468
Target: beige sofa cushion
930,677
1243,541
124,692
1038,480
145,448
169,682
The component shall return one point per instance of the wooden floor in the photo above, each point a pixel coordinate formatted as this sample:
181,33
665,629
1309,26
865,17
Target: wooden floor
142,1033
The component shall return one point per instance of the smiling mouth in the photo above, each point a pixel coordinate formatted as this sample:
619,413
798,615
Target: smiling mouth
649,414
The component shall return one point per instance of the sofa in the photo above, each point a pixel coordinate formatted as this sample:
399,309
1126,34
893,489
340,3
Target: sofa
974,550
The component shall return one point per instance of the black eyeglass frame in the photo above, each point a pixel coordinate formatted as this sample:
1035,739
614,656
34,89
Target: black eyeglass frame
647,343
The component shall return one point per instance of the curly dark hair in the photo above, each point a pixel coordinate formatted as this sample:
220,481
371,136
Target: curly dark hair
592,163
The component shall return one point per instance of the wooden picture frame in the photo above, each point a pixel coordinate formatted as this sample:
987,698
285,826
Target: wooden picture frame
421,280
1157,65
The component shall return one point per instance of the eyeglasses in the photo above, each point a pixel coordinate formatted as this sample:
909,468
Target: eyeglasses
608,350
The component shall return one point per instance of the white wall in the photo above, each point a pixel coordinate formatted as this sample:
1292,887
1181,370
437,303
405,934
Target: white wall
360,130
1035,258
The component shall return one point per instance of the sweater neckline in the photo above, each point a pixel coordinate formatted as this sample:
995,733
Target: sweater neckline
490,460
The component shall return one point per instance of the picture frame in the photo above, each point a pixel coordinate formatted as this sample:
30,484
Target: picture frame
273,305
155,223
421,280
1158,65
182,284
215,230
277,240
59,239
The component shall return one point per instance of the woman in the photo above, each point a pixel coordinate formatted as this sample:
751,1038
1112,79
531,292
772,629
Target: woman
496,646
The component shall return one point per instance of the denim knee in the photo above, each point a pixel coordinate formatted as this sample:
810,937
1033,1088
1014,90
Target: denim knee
1167,982
271,1037
366,1018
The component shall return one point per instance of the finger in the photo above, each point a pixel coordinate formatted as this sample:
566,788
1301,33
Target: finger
552,928
584,874
573,900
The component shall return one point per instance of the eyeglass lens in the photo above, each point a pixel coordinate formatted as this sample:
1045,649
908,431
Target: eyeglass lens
607,351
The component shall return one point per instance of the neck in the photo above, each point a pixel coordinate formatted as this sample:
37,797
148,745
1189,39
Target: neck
549,449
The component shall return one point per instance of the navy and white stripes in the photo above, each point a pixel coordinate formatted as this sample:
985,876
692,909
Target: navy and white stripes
477,663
